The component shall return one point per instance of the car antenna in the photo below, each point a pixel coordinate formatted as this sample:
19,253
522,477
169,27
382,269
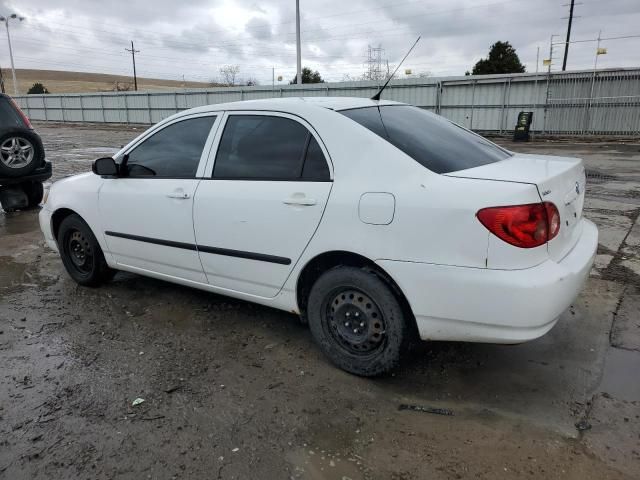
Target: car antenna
377,95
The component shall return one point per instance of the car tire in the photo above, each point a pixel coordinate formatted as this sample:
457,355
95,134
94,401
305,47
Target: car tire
357,321
20,153
81,253
34,191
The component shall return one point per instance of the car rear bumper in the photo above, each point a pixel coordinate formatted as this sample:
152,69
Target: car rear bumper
44,217
496,306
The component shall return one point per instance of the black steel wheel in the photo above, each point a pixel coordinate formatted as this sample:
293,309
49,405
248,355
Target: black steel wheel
357,321
77,247
81,254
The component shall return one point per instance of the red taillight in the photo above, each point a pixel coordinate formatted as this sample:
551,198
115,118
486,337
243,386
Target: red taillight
25,119
524,226
553,217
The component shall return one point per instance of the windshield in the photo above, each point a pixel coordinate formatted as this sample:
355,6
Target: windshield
433,141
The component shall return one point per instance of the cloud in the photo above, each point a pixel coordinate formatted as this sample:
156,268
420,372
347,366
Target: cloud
194,38
259,28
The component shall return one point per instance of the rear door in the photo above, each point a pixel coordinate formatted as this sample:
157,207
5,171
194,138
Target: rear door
265,196
147,215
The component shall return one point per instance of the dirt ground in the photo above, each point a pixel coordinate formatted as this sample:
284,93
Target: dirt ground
58,81
236,390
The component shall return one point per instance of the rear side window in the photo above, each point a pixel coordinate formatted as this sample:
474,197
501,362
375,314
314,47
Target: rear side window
315,165
173,152
9,117
262,147
431,140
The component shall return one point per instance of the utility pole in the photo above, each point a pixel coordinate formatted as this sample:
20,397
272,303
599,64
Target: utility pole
1,81
13,68
298,49
133,52
566,45
598,52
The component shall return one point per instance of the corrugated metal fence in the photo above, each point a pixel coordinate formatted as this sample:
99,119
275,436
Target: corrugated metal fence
585,102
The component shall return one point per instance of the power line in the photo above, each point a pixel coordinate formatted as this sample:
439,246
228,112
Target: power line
243,44
349,25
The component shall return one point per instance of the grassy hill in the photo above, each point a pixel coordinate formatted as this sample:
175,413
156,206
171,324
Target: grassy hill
81,82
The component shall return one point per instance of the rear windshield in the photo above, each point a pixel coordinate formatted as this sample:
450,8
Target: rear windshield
9,117
431,140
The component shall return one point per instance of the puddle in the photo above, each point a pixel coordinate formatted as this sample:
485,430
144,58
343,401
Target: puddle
309,464
17,223
620,377
109,150
12,274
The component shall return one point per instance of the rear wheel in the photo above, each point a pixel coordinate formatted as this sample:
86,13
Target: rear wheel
20,153
81,253
357,321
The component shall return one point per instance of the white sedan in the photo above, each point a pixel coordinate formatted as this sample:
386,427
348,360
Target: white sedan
376,221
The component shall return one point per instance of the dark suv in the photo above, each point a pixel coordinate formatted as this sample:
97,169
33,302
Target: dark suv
22,164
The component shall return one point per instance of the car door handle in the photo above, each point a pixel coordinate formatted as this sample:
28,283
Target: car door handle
302,201
179,195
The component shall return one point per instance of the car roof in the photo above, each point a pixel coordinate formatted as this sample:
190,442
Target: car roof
294,104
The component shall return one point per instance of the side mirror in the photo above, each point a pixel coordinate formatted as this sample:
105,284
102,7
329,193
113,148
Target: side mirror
105,166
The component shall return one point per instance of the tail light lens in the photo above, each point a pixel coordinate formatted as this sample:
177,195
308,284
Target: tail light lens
25,119
525,226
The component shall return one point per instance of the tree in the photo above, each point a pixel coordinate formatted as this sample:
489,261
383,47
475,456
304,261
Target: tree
37,88
502,59
229,74
308,76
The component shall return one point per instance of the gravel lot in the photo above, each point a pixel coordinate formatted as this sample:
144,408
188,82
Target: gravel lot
235,390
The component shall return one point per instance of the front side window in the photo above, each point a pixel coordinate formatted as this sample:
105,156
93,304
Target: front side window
173,152
433,141
262,147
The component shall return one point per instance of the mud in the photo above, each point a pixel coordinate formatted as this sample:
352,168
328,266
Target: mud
236,390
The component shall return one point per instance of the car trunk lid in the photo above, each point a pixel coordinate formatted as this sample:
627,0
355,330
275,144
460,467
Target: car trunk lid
560,180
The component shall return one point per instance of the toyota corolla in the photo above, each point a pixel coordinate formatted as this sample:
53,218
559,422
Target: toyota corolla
377,222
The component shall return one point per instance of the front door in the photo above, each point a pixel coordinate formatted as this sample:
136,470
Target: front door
147,211
256,214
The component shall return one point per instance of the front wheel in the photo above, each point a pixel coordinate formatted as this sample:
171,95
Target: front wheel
357,321
81,253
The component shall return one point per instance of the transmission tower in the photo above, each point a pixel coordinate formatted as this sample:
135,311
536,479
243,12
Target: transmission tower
374,63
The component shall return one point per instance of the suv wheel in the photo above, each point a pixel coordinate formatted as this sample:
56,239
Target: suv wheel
357,321
81,253
20,153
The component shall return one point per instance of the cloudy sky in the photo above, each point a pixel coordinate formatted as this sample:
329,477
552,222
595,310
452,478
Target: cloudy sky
195,37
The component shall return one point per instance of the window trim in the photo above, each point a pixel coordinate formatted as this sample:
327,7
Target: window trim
161,126
208,172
